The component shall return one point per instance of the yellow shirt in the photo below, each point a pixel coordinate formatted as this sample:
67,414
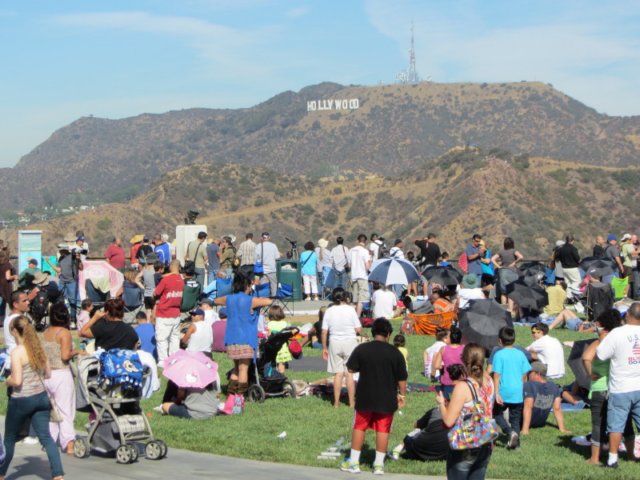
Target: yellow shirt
405,354
557,297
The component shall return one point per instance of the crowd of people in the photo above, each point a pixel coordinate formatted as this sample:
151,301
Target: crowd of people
513,386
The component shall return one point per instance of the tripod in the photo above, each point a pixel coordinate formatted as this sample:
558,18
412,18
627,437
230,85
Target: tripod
292,254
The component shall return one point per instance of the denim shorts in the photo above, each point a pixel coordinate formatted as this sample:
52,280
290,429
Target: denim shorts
621,405
573,323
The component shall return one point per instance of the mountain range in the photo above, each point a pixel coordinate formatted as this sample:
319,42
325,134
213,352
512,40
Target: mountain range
397,131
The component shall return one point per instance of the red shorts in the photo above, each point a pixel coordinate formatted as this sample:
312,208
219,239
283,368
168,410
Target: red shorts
379,422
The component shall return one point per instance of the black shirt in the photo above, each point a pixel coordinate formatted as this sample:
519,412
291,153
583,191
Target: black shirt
114,334
598,251
381,367
568,256
430,253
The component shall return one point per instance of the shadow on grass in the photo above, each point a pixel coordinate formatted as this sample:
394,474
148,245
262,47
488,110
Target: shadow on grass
565,442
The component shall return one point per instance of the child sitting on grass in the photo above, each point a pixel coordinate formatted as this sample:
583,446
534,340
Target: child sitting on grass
276,324
442,339
399,342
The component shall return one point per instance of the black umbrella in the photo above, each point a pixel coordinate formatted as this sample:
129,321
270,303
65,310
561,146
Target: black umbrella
576,364
598,266
443,275
531,268
482,321
527,296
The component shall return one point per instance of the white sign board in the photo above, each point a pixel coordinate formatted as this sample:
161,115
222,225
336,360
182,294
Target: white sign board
184,235
333,104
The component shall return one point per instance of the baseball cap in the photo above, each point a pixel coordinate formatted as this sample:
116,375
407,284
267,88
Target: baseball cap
197,311
539,367
33,261
265,234
80,239
611,237
626,236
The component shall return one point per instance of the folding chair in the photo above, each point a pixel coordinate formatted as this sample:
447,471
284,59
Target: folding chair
599,299
97,297
284,297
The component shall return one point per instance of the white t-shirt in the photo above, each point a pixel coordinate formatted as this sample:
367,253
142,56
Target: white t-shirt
466,294
339,256
341,321
211,317
374,248
358,258
431,353
550,352
397,253
384,303
622,347
271,254
9,341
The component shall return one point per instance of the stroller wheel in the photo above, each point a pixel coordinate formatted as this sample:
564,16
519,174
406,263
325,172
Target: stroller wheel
289,389
256,393
164,448
154,450
81,447
134,452
124,454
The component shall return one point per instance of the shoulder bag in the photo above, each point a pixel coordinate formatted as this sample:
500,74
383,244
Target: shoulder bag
474,429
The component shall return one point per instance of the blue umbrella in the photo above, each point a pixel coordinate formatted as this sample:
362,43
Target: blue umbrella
392,271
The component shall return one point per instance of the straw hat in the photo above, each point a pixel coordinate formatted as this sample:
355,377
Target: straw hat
41,279
136,238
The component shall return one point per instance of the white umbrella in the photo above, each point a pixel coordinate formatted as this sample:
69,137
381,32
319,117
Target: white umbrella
391,271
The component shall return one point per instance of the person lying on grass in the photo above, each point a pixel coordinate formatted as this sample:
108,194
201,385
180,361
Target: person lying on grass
540,397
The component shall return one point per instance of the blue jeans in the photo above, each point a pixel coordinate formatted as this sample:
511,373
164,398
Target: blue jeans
468,464
200,276
212,276
20,410
70,291
515,417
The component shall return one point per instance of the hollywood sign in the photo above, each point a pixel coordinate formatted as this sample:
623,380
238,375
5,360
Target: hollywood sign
333,104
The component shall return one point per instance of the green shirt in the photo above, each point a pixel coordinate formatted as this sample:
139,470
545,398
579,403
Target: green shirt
601,368
627,252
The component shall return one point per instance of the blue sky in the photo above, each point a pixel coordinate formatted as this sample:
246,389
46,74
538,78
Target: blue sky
65,59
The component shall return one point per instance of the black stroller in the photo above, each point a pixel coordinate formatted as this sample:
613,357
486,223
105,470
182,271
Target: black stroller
264,378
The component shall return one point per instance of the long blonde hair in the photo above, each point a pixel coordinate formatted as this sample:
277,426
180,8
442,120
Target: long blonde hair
31,342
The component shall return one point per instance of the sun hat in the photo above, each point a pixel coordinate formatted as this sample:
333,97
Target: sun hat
470,281
322,243
41,279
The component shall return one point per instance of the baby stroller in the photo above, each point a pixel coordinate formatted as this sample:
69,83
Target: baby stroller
264,379
110,388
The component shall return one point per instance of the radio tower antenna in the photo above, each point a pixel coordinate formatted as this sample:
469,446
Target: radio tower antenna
410,75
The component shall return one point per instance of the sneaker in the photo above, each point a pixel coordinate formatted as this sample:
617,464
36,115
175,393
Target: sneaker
348,466
612,466
158,409
30,441
514,441
395,453
378,469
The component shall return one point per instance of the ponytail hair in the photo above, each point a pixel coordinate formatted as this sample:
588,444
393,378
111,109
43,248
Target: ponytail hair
473,359
31,342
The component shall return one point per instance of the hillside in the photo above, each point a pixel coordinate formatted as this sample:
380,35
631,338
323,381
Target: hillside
534,200
395,130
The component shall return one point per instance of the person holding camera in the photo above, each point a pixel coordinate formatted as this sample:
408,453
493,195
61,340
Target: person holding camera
68,270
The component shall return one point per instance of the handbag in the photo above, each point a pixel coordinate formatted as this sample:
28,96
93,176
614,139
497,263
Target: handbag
474,429
54,414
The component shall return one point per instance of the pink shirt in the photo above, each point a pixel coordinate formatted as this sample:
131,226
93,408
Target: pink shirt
450,356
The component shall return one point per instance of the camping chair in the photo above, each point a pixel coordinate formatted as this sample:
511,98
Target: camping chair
620,287
284,297
97,297
261,290
599,299
190,296
427,323
133,298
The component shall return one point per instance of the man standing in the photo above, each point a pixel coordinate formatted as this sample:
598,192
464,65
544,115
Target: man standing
162,250
475,253
567,255
622,348
429,250
247,252
380,392
340,255
67,270
396,251
197,253
114,254
613,252
169,293
213,259
374,246
360,263
267,252
598,248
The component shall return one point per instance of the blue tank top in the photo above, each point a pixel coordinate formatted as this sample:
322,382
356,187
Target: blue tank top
242,323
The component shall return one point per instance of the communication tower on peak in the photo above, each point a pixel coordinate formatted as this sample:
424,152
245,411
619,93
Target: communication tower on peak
410,75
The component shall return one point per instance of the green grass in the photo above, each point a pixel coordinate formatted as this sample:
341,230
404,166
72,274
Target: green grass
312,425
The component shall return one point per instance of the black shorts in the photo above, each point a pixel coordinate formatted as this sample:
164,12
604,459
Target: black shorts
149,302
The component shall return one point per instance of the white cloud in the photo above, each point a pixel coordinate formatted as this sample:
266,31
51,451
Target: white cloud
590,58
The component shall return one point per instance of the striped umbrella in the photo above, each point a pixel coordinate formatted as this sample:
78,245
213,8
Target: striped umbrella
392,271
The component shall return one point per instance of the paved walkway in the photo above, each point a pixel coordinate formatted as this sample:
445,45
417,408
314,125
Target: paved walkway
30,462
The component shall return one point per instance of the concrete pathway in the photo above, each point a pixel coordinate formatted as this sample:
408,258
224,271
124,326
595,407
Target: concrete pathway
30,462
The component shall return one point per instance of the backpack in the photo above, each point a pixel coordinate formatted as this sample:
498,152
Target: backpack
40,306
383,252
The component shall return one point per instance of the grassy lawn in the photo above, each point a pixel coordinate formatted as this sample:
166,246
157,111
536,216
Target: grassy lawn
312,425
